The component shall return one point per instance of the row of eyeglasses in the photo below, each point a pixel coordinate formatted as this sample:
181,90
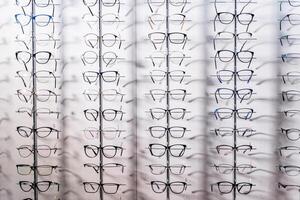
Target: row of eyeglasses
232,62
39,43
101,77
167,24
290,133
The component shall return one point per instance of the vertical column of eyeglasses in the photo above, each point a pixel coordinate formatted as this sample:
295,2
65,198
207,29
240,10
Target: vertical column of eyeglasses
241,58
164,39
290,57
38,38
6,183
104,45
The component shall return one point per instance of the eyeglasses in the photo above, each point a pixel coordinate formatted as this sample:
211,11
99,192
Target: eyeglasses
108,95
226,149
293,3
158,38
228,131
41,39
177,187
288,151
226,93
42,150
159,3
227,75
173,131
226,35
108,188
291,77
107,114
41,95
41,132
109,19
291,39
158,150
156,20
290,170
42,76
158,169
288,186
108,133
291,95
174,113
107,39
226,187
293,19
157,76
228,169
39,112
41,20
291,113
110,58
291,133
108,151
228,17
244,56
106,3
175,94
227,113
38,3
174,57
41,57
42,170
42,186
105,167
291,58
107,76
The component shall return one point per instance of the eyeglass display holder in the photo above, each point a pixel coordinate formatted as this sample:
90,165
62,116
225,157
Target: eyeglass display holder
167,102
34,106
100,104
235,102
